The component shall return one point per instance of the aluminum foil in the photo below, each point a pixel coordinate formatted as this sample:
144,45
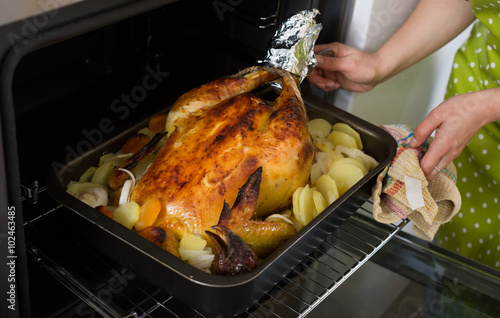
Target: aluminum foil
292,46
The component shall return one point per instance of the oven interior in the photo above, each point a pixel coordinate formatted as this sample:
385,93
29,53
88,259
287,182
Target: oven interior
72,91
78,92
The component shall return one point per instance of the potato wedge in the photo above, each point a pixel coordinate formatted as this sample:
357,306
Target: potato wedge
127,214
192,242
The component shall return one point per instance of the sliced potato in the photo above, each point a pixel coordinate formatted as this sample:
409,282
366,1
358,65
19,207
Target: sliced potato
341,138
319,203
324,161
345,128
306,204
331,197
328,188
351,161
127,214
295,200
316,172
319,127
324,144
369,161
345,175
298,209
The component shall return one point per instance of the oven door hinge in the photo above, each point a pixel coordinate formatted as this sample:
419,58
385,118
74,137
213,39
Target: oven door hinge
29,190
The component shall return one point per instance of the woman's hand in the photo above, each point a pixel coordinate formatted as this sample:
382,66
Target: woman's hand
349,69
431,25
455,121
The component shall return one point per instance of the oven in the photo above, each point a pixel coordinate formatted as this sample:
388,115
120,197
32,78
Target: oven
77,76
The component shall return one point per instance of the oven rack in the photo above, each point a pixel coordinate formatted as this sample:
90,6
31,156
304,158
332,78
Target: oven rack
111,290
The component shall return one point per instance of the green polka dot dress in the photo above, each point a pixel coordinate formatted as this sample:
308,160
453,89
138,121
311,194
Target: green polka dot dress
475,231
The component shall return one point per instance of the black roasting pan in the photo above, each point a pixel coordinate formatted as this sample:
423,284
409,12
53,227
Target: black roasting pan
212,295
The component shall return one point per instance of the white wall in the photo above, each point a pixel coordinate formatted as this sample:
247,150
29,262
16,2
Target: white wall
408,97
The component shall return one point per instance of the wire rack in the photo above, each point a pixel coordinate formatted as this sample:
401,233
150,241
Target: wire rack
111,290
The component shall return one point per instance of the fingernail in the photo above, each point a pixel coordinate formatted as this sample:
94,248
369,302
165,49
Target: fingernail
331,86
327,52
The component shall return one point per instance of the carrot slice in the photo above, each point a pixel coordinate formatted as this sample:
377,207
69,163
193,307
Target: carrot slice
157,123
104,210
148,214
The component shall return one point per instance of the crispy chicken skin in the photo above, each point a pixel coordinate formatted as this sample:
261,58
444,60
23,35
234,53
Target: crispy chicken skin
218,135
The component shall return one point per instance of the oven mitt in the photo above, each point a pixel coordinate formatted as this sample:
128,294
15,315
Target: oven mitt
402,191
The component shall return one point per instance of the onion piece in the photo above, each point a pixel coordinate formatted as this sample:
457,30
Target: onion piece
127,188
278,216
130,174
202,262
125,194
94,196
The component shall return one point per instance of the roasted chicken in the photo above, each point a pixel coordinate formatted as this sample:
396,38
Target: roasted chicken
219,135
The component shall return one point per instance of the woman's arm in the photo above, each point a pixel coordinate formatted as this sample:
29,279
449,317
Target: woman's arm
456,121
430,26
